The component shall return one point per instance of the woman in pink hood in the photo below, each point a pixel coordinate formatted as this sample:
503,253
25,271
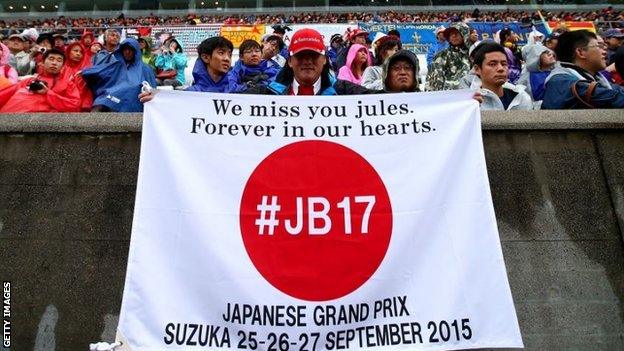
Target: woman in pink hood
8,74
358,58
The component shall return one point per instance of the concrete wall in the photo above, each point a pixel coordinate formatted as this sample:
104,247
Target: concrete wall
67,186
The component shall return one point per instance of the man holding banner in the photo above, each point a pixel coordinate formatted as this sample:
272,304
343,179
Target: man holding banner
308,71
300,223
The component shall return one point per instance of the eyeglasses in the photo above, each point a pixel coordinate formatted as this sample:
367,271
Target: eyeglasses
600,45
399,68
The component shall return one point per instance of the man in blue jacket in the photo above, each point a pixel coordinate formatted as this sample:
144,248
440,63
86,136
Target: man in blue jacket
116,85
576,84
438,46
210,72
212,65
111,44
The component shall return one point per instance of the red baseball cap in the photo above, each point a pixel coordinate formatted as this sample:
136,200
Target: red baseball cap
306,39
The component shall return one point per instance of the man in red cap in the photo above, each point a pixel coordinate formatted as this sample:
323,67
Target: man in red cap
307,70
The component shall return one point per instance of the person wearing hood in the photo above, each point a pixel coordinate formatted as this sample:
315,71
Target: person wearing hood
59,41
146,52
49,91
76,60
356,36
540,62
400,72
170,63
212,65
471,78
210,73
384,48
87,38
490,64
535,38
116,84
336,43
111,44
8,74
21,60
308,71
576,82
439,45
250,70
452,63
358,59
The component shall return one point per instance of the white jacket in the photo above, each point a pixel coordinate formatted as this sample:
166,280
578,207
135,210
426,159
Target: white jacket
491,101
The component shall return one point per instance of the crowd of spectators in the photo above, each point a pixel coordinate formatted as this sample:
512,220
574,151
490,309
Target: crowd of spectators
49,72
604,15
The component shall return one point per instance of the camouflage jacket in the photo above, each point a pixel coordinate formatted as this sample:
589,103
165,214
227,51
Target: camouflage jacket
449,65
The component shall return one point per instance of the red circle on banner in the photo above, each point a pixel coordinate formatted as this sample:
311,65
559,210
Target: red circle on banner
332,251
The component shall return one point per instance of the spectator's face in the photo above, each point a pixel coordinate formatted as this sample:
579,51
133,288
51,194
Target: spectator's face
128,53
493,70
252,56
219,61
307,66
594,56
552,44
142,44
173,46
361,58
112,38
53,64
87,40
455,38
75,54
614,43
269,49
401,76
59,42
15,44
46,44
547,59
474,36
360,39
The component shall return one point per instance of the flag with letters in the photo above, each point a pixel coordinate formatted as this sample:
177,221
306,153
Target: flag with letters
315,223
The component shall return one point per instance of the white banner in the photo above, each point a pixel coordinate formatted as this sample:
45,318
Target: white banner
314,223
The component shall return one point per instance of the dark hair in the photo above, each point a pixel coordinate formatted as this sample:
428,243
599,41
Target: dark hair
211,44
168,42
485,48
395,32
278,39
384,46
504,33
570,41
248,44
54,51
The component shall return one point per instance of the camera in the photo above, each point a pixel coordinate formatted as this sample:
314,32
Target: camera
36,85
42,50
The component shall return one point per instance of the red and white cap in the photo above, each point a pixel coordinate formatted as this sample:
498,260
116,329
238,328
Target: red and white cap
306,39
